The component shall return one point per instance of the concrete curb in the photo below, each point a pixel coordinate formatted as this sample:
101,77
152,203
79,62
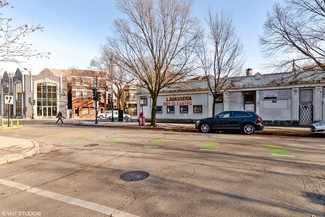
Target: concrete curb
269,130
29,153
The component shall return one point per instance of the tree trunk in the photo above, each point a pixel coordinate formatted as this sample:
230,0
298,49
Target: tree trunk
213,105
154,110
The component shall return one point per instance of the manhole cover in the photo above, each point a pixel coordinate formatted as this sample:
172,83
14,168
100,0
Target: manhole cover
91,145
134,176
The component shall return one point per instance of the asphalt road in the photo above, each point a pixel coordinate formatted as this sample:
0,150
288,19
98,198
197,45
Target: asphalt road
78,173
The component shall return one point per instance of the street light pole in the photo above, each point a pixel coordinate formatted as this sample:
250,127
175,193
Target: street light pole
96,101
112,77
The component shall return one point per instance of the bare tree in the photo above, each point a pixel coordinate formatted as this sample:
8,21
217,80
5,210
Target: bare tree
155,43
114,73
221,54
297,30
12,46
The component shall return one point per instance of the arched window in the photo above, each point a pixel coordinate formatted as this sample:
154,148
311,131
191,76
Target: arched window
46,99
5,91
19,99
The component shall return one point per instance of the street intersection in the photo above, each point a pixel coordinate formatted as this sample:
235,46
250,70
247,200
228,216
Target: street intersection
78,173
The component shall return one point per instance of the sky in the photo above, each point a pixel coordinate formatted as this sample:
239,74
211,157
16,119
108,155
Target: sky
74,30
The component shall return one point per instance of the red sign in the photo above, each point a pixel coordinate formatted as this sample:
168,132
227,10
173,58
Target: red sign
177,103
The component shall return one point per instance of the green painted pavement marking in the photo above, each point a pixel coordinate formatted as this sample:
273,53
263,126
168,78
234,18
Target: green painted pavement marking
114,141
210,146
76,140
278,151
156,143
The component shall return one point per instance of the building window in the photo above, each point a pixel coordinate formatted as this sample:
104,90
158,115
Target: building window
183,109
19,99
85,94
159,109
197,109
170,109
78,94
78,81
219,98
46,99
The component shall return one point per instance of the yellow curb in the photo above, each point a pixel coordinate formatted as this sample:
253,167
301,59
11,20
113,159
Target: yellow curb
10,128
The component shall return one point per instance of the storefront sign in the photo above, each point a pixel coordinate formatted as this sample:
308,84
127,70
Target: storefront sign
178,100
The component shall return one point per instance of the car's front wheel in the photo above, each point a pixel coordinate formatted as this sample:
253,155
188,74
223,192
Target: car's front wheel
205,127
248,129
101,116
126,118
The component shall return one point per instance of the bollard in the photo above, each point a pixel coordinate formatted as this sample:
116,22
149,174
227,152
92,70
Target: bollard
11,123
17,123
2,122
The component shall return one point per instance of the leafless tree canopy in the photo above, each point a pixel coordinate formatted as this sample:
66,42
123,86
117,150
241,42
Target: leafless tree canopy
115,74
155,42
221,53
297,31
12,46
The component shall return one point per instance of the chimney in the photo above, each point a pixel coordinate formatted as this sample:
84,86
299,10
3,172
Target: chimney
249,72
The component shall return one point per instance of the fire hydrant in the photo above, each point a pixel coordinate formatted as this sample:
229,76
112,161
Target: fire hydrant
141,119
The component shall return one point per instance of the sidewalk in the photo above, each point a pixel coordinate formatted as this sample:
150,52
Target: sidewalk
12,149
268,130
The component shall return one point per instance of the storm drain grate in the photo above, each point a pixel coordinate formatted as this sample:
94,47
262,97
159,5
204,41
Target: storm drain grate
134,176
91,145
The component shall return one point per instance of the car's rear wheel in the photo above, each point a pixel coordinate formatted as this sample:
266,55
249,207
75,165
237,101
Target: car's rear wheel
248,129
205,128
126,118
101,116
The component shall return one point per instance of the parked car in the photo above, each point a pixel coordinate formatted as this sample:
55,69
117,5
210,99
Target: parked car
108,115
245,121
318,127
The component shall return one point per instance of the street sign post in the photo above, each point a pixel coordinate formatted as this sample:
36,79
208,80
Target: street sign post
9,99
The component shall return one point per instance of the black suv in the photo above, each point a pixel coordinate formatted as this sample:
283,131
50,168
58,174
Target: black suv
245,121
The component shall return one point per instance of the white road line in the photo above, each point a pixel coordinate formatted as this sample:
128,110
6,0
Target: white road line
66,199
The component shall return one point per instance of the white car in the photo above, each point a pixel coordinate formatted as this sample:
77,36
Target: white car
108,115
318,127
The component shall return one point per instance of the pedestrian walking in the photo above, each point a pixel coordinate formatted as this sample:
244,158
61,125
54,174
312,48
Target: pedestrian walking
59,117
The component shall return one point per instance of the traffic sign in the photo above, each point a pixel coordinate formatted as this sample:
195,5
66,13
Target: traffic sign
9,99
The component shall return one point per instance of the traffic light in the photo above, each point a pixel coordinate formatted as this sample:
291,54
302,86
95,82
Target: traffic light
99,95
109,99
94,94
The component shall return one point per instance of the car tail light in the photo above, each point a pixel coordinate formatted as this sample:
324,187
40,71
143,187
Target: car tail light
259,119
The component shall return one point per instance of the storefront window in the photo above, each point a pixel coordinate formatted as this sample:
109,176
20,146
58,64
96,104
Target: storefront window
170,109
197,108
159,109
183,109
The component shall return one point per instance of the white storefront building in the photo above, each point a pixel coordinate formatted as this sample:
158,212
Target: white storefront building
280,99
